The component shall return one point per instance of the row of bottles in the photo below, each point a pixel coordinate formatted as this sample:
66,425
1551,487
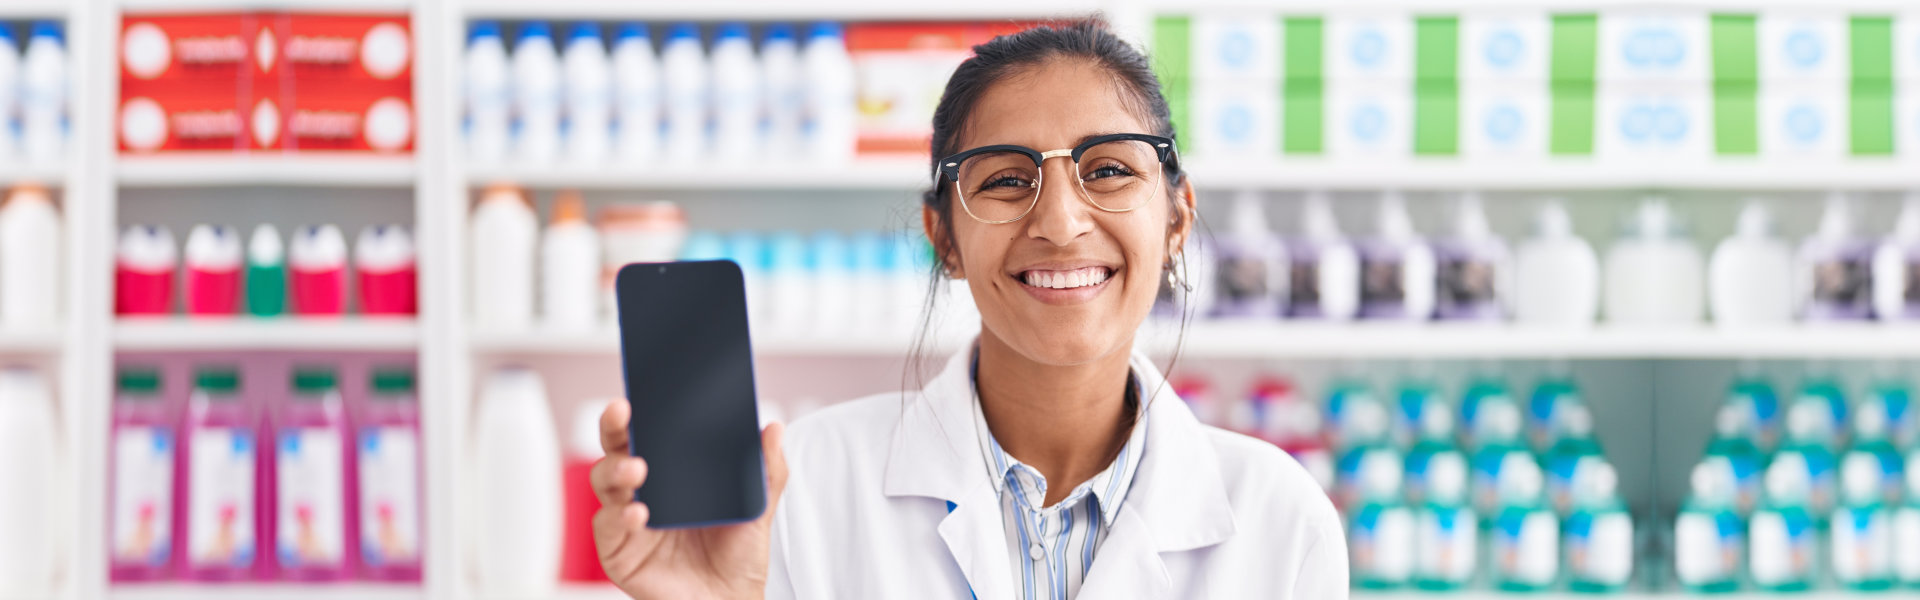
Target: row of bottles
589,102
223,276
30,265
33,94
239,476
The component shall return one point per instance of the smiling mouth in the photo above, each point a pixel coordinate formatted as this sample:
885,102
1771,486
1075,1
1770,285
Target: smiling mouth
1066,280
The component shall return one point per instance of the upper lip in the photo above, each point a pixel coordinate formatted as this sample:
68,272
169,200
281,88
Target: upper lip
1065,265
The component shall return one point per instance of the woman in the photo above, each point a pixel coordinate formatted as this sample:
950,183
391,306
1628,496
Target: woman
1048,460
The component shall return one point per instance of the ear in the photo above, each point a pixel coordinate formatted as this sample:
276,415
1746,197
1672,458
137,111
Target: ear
1181,216
934,226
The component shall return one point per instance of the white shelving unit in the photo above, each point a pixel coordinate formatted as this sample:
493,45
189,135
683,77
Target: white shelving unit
881,175
303,171
357,591
750,10
1569,174
345,334
31,340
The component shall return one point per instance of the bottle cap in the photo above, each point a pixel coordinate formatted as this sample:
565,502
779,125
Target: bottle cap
1553,221
684,31
733,30
1394,222
568,207
383,248
498,192
392,381
28,193
1470,218
1249,214
317,247
1754,221
147,247
1655,219
265,248
779,32
139,380
48,29
632,30
1836,222
825,29
313,380
586,30
214,247
217,380
535,29
1317,220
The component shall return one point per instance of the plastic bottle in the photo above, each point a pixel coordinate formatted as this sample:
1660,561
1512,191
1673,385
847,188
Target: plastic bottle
385,271
43,95
1294,423
141,486
686,95
502,237
222,495
1498,450
1416,394
1446,543
1809,431
30,466
1873,446
588,79
213,270
570,266
1906,525
317,271
1366,440
1554,399
1654,274
580,559
737,99
9,102
783,93
266,273
311,459
790,292
1896,267
1397,269
1557,274
536,94
1823,390
30,256
1750,276
1599,534
1324,281
1862,546
1486,389
1251,280
1751,393
1891,396
1381,532
636,80
831,96
749,250
143,271
1707,536
1474,267
516,460
1526,533
1435,445
1343,395
489,101
1781,534
389,481
1731,451
1576,451
1833,268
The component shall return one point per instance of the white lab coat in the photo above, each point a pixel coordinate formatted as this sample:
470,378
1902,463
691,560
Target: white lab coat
1211,514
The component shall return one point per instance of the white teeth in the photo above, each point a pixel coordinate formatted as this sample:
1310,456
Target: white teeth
1060,280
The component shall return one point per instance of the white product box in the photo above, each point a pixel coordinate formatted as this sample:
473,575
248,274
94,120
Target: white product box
1503,119
1236,118
1906,118
1235,45
1804,46
1369,119
1906,46
1653,122
1806,120
1368,46
1654,46
1505,46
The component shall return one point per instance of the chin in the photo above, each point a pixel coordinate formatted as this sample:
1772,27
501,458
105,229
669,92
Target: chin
1063,344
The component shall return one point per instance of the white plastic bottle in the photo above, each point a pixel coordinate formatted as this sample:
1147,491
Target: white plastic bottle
783,94
1749,280
1475,267
516,456
1397,269
1325,278
686,93
1654,274
1832,269
43,95
28,468
1557,275
9,96
1896,267
536,94
589,85
831,95
736,95
30,267
488,101
1251,276
502,241
570,266
636,81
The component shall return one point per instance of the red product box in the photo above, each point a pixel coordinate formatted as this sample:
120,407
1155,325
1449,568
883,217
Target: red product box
206,49
900,70
181,121
348,54
348,123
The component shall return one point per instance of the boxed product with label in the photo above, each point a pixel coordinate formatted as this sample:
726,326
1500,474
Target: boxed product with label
1235,45
901,69
1369,46
1653,122
1659,45
1800,45
1503,119
205,49
1368,119
346,53
1505,46
1235,118
1807,120
348,123
181,121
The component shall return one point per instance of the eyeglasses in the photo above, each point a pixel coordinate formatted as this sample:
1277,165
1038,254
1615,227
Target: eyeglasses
1114,173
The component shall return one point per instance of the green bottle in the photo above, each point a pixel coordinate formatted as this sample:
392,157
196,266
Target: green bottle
1599,532
266,281
1906,526
1500,445
1861,528
1708,536
1526,533
1731,448
1380,532
1782,554
1575,448
1447,539
1435,442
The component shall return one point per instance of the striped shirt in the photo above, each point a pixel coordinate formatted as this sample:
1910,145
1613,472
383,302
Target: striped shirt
1052,547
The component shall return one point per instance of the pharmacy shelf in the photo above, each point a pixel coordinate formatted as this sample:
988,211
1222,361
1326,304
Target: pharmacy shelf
35,9
607,341
151,6
13,173
279,591
750,10
888,174
1569,174
1495,595
1454,6
345,334
33,340
226,170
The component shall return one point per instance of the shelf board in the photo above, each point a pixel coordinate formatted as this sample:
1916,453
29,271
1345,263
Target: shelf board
15,173
152,6
1552,174
607,341
762,10
243,333
36,9
30,340
271,591
1629,595
239,170
872,174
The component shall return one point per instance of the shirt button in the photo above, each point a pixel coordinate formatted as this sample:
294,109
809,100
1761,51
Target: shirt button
1035,552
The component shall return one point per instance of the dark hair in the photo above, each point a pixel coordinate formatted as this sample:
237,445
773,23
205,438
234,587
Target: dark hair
1012,55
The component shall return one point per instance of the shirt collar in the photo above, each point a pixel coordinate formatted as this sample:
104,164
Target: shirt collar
1108,488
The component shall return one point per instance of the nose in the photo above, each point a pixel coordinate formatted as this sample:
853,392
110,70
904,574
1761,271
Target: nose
1059,215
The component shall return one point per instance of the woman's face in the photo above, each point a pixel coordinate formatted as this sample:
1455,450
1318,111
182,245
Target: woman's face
1109,263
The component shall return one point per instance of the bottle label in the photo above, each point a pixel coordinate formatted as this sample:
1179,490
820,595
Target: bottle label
1303,289
143,496
1446,544
1466,289
1906,544
1600,548
309,513
220,522
1860,543
389,496
1526,546
1706,549
1841,287
1782,548
1247,286
1382,283
1382,539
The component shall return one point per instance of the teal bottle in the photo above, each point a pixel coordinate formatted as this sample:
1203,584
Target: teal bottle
1552,398
1708,537
1447,538
1500,446
1525,532
1599,532
1481,392
1806,445
1575,448
1861,528
1380,529
1732,449
1413,398
266,277
1754,397
1435,443
1783,554
1894,398
1906,526
1342,396
1823,391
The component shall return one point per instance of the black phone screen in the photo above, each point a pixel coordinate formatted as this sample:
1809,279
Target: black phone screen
688,365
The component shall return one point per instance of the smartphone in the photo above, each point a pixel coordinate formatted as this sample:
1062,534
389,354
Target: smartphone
688,364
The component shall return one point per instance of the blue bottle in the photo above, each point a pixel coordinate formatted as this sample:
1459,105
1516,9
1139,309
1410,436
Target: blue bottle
1380,532
1447,538
1753,396
1575,449
1599,532
1552,398
1708,536
1861,528
1731,449
1783,555
1526,534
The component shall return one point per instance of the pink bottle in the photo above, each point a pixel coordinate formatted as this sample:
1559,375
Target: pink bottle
221,521
145,458
214,259
317,260
388,462
384,265
143,271
310,518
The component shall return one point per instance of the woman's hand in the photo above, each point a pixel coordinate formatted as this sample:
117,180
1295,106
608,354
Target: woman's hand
727,561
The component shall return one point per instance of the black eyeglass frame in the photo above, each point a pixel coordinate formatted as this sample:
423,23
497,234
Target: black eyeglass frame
950,166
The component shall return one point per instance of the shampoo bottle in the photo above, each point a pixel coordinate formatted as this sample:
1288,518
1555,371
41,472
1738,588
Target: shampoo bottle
213,265
1810,430
489,108
385,272
387,461
266,273
1707,535
29,466
311,458
222,533
1526,532
1782,554
1749,280
30,251
1474,267
517,458
832,95
1753,396
145,445
1833,268
1873,441
1896,267
1397,269
1554,398
636,80
501,239
1654,274
1498,450
686,95
317,268
143,271
1251,278
588,79
1599,546
1367,439
1862,546
536,94
1734,453
570,266
736,96
1324,280
1447,538
1381,530
1557,275
1434,447
783,92
1575,452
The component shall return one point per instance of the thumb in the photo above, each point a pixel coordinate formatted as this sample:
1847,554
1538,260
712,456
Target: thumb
776,460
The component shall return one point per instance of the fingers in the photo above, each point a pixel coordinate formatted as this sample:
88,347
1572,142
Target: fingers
615,478
613,427
620,534
776,460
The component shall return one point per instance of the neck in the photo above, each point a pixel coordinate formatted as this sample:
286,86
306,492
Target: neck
1068,422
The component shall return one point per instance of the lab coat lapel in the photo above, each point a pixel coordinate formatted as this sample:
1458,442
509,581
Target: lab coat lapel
976,534
1127,564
